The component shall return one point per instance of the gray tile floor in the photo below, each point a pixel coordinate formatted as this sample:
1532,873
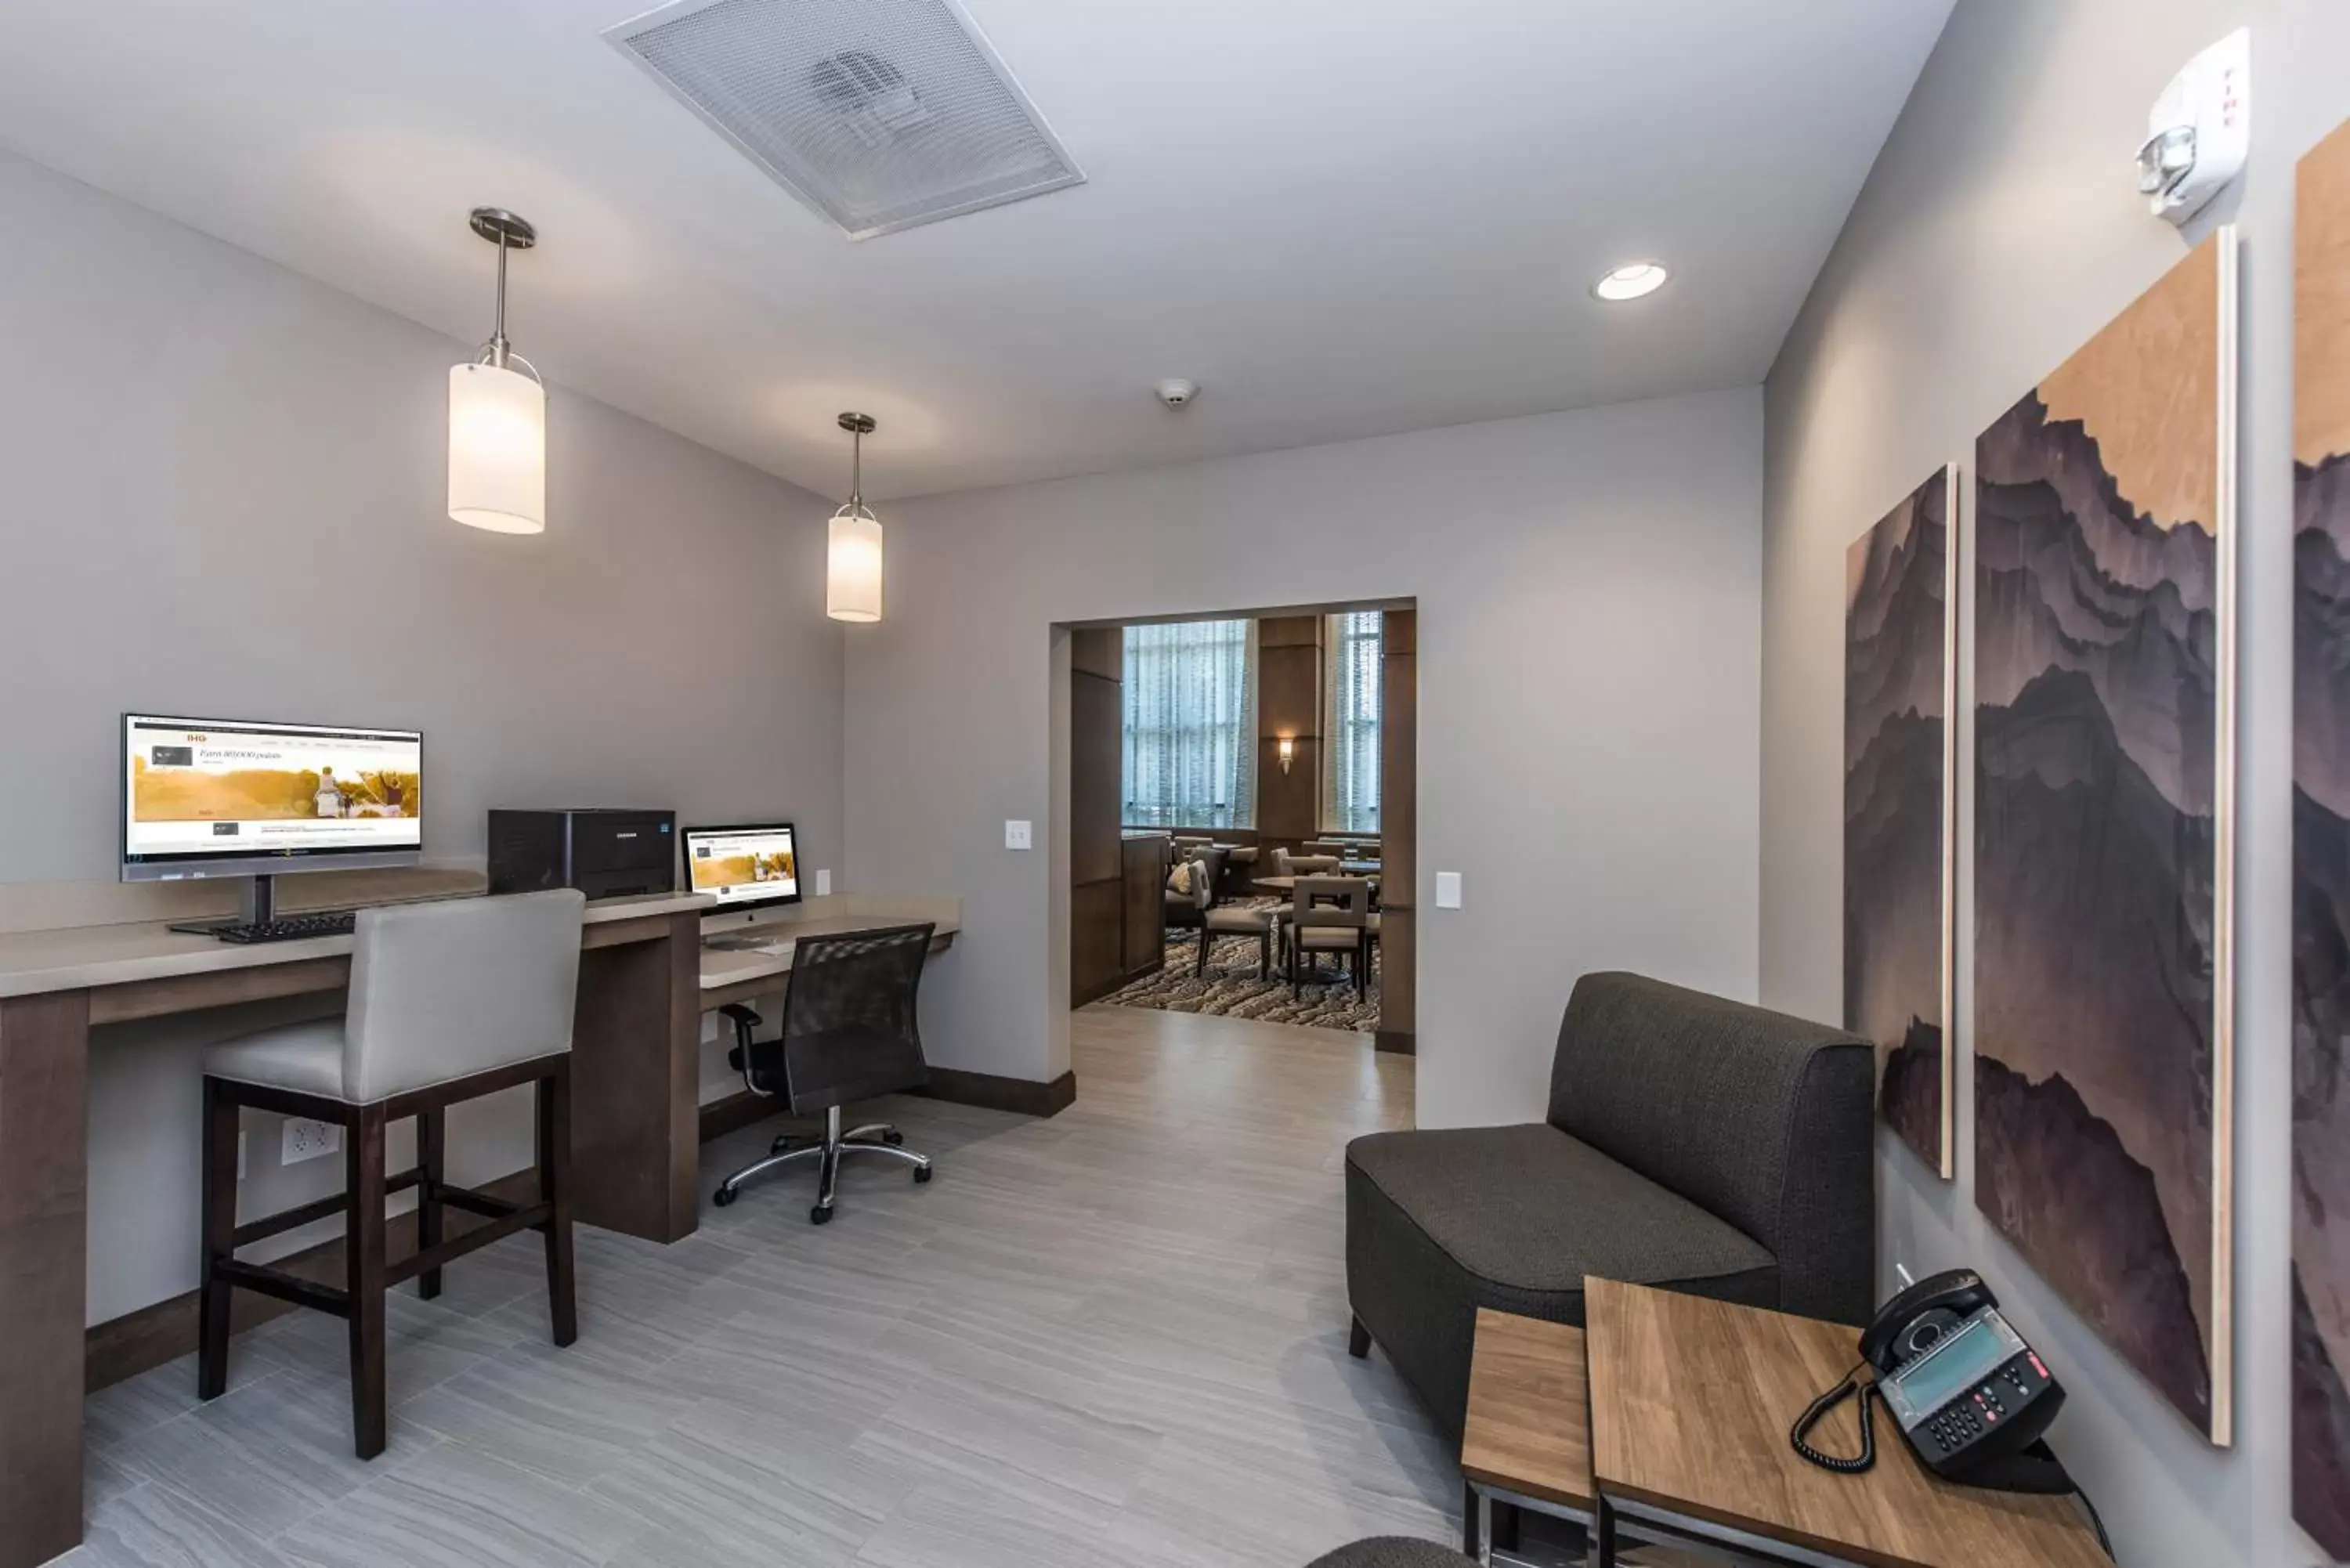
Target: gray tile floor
1117,1335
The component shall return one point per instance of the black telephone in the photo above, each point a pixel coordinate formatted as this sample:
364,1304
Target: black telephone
1969,1394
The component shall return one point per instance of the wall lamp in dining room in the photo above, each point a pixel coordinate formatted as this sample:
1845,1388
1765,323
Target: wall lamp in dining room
1285,748
497,413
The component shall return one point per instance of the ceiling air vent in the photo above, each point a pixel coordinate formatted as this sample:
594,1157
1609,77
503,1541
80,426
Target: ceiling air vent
880,114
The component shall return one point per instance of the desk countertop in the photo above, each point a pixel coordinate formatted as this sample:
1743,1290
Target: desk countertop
32,962
733,966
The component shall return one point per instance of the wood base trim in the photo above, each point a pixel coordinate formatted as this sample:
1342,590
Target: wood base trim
1398,1042
989,1092
140,1341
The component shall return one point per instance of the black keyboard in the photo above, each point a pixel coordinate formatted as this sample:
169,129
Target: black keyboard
293,927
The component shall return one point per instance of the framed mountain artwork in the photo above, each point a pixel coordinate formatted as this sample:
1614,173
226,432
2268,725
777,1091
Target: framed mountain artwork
2104,777
2321,850
1900,707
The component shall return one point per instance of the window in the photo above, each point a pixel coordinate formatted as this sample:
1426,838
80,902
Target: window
1350,728
1191,724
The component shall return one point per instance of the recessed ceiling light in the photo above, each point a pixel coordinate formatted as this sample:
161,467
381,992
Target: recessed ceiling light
1631,282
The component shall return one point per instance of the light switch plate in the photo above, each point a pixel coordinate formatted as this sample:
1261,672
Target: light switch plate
822,883
1447,889
1017,835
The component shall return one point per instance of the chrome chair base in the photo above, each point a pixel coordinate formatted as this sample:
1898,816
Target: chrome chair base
874,1137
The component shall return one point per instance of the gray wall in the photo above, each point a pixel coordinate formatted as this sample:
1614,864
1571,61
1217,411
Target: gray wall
225,496
1588,586
1998,231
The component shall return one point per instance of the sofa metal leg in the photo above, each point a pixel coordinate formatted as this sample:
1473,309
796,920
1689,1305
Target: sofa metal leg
1358,1340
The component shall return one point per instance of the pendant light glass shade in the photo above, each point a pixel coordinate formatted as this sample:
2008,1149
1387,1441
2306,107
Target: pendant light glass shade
852,579
852,562
497,450
497,414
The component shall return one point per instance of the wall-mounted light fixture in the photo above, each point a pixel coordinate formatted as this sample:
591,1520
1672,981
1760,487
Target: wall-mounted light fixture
852,583
497,415
1285,748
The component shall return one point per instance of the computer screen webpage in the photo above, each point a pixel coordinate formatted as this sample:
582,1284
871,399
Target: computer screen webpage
205,790
742,865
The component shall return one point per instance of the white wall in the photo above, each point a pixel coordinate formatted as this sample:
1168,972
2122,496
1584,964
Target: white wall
1588,724
1998,231
225,496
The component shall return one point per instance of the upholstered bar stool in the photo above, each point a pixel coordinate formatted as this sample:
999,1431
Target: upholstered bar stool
449,1001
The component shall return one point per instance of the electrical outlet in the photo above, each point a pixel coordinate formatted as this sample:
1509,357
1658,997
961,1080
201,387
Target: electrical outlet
1017,835
308,1139
822,883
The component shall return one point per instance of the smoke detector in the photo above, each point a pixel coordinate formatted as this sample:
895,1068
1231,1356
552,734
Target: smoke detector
1177,392
880,114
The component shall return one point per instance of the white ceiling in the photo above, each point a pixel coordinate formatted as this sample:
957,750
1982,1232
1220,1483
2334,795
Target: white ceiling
1343,217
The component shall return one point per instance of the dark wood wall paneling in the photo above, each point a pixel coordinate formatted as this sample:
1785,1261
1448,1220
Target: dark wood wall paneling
1096,857
1289,701
1398,828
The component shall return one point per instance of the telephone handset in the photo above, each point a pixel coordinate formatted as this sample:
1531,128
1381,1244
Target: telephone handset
1969,1394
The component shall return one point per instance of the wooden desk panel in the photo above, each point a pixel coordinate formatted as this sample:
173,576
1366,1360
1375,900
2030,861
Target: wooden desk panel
1691,1404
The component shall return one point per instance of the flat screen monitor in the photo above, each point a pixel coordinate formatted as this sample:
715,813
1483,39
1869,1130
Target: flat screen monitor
743,867
226,797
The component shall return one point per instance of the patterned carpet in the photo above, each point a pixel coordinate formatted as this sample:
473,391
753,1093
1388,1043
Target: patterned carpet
1230,988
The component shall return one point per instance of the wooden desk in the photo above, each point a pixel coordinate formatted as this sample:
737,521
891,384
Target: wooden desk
1691,1402
636,1076
1527,1440
738,974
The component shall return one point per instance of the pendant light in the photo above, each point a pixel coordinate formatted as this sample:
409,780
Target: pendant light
852,583
497,414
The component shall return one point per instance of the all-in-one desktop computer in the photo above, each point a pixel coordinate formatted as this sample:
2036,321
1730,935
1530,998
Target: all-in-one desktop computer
207,798
745,868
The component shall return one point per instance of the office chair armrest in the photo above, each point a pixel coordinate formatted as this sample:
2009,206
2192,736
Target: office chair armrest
744,1021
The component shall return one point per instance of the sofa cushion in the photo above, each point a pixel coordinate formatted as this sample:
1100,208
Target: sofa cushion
1530,1211
1763,1120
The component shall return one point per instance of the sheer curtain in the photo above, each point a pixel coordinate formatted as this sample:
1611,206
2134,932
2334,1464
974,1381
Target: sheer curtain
1191,724
1350,723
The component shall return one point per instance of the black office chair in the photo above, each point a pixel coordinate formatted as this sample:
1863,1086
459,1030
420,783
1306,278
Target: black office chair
849,1035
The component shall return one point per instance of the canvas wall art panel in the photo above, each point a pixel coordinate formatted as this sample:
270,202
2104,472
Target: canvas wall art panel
2321,848
2104,634
1900,667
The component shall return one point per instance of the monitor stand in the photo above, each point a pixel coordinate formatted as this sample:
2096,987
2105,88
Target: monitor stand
256,904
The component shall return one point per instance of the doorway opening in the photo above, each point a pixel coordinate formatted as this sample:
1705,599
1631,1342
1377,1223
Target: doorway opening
1242,795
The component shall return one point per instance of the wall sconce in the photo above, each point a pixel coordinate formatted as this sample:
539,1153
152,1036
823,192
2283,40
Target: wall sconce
1285,748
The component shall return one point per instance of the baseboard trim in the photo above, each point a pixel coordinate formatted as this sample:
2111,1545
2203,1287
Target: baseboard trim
737,1111
142,1341
1398,1042
989,1092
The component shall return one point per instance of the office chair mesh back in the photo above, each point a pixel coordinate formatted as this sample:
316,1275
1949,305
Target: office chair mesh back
849,1032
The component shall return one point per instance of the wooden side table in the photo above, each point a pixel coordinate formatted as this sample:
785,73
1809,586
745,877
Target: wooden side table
1527,1442
1691,1402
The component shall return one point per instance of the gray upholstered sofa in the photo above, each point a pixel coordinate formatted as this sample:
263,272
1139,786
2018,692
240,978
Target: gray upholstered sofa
1692,1142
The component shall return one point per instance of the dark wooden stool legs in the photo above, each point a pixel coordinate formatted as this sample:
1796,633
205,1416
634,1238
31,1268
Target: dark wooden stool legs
432,1168
363,1246
368,1273
554,1197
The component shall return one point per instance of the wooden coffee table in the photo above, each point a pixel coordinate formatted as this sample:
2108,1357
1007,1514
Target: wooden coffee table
1527,1443
1691,1401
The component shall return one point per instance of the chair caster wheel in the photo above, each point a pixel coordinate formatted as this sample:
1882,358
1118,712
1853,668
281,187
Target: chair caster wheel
724,1198
893,1138
921,1174
819,1215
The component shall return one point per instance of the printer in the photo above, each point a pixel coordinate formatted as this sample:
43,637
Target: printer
604,853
